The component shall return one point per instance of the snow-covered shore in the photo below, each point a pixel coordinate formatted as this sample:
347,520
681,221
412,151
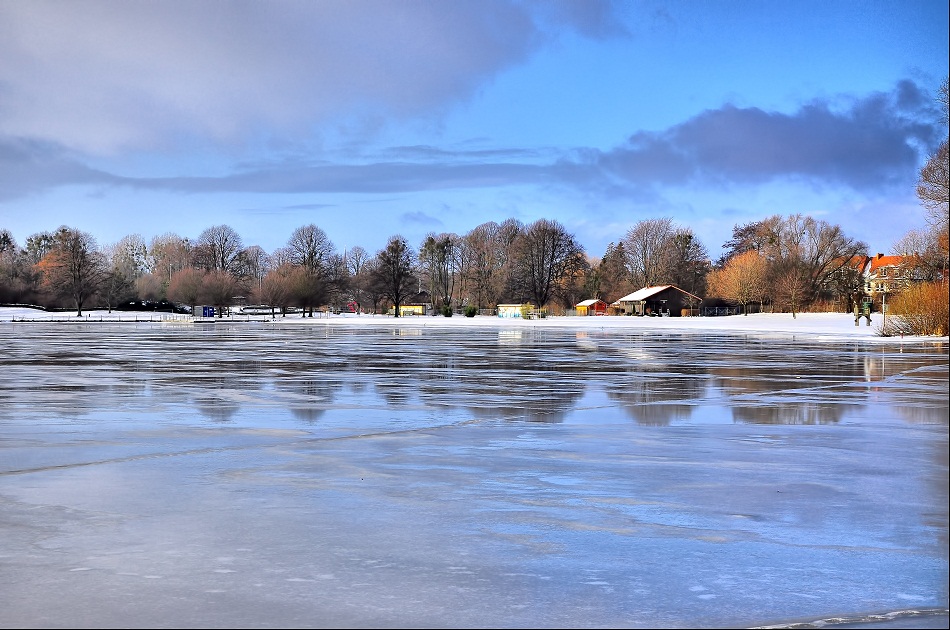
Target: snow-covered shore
821,326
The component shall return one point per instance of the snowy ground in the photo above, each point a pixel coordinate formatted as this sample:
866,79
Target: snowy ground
827,326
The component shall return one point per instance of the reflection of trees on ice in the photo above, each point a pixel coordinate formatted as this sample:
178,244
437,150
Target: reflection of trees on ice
788,413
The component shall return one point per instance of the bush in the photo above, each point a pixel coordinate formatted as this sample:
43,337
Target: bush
471,311
920,309
447,311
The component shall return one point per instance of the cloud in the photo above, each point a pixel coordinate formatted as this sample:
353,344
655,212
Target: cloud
597,20
421,219
874,143
310,206
31,166
871,143
103,76
383,177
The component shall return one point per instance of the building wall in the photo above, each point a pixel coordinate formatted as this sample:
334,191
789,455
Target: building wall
598,308
675,302
512,310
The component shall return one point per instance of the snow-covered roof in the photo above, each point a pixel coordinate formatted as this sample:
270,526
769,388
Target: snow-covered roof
588,302
648,292
642,294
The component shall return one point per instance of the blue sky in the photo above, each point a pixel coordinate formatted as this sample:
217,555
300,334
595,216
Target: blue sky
375,118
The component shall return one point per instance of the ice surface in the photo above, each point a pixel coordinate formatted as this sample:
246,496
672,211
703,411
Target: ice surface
248,475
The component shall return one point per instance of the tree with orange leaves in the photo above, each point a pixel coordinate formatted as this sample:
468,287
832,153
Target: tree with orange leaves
73,268
742,280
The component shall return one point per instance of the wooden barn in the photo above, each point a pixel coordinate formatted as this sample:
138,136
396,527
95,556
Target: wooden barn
665,301
591,307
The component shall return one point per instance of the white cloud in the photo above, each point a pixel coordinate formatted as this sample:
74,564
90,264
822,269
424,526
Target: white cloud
103,75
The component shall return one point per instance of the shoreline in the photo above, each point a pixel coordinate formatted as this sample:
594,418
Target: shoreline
905,618
818,326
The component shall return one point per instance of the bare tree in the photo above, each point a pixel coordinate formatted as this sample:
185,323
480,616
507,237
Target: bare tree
218,288
820,249
933,186
508,282
923,257
310,249
118,284
74,267
438,259
612,274
742,280
756,236
280,257
687,261
373,287
218,248
823,250
185,286
491,269
483,264
309,289
913,242
647,245
130,255
276,289
546,252
169,253
127,261
356,260
8,266
337,278
149,287
791,286
256,264
571,287
19,278
395,271
933,189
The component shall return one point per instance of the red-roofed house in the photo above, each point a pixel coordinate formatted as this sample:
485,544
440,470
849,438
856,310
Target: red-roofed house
591,307
884,274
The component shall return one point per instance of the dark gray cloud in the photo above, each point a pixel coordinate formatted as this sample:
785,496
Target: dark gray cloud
593,19
32,166
382,177
431,153
310,206
421,219
873,143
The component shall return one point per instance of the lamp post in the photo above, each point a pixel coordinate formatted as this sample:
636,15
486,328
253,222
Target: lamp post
884,309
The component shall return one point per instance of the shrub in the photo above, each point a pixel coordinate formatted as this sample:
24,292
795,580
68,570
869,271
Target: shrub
447,311
471,311
920,309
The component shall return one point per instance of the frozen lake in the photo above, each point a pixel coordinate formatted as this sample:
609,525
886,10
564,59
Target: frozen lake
257,475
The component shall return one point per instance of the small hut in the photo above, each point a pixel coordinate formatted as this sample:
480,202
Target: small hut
591,307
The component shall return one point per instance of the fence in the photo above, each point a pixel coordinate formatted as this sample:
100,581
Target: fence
716,311
125,317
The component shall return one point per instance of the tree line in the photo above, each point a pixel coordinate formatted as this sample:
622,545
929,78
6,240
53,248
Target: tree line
792,263
789,262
